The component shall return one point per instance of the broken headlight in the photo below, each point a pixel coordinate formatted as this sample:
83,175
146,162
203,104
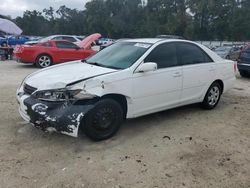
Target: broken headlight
61,95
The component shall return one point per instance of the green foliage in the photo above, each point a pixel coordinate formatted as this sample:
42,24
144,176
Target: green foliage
193,19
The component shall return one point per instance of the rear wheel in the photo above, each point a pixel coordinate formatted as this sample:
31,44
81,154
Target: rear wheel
43,61
212,97
104,120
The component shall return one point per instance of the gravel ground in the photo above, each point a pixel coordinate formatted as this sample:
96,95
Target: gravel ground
184,147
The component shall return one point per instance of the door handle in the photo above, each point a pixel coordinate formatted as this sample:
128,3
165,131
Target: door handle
177,74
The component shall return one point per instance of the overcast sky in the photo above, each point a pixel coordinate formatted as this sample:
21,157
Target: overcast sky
16,8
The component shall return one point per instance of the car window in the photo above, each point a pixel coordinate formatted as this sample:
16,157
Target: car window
191,54
80,38
57,38
71,39
164,55
65,45
47,44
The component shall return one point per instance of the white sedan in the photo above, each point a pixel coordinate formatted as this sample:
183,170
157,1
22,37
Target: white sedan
129,79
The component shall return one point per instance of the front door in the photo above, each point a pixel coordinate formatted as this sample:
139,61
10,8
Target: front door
68,51
161,89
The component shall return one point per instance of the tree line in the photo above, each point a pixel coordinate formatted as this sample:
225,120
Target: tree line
193,19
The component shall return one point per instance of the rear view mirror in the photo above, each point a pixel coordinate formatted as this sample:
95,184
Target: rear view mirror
147,67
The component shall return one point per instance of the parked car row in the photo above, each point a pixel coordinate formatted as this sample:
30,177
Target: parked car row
13,40
128,79
241,54
228,52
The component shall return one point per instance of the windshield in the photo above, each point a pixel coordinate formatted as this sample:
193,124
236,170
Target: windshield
120,55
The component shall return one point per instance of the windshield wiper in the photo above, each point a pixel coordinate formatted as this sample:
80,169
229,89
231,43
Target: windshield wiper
91,63
94,63
112,67
99,65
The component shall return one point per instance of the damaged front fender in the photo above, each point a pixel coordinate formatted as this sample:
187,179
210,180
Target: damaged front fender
63,117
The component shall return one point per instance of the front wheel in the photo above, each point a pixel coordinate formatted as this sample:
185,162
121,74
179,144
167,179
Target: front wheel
104,120
212,97
43,61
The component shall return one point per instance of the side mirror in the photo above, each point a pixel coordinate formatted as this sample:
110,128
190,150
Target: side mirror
147,67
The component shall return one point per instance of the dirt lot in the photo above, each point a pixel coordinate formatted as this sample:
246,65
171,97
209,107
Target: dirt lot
184,147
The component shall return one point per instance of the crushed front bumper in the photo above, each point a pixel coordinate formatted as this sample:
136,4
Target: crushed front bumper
63,117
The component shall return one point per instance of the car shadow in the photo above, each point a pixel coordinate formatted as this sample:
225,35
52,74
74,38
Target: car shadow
129,130
26,66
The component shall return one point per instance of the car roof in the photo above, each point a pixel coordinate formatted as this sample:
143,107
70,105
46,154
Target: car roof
153,40
170,36
62,36
144,40
59,41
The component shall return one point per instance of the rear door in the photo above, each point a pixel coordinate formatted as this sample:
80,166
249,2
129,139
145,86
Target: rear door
199,71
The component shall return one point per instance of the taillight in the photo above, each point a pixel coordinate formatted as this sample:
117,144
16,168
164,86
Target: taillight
18,49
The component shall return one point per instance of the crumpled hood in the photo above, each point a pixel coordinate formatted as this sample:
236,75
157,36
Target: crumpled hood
60,76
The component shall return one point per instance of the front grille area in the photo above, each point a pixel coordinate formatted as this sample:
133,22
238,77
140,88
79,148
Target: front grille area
29,89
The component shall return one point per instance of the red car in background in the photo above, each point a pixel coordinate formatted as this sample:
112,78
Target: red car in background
55,51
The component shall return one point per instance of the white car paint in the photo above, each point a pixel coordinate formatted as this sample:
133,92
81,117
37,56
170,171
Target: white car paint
146,92
52,78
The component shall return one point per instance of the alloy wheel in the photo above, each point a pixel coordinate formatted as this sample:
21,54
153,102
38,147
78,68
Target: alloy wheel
213,96
44,61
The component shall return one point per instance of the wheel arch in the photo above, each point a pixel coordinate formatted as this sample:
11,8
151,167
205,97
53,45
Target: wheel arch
121,99
221,83
40,54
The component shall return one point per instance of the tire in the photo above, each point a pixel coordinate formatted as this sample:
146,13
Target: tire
244,74
104,120
212,97
43,61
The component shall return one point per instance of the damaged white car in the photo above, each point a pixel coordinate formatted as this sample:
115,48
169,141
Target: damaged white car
129,79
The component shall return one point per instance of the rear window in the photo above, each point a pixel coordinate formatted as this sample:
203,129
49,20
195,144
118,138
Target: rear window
65,45
80,38
70,39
